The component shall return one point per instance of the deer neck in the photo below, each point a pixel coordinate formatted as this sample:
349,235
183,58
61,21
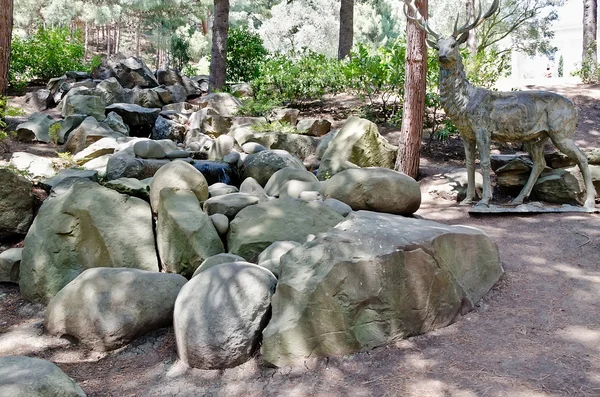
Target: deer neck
455,90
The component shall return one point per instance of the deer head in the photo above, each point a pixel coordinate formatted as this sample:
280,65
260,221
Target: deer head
447,47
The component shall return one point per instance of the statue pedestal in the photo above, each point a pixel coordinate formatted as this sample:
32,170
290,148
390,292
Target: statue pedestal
530,208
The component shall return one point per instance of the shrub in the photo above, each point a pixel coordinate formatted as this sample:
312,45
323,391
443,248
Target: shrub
6,110
298,77
256,108
48,53
486,67
245,54
180,52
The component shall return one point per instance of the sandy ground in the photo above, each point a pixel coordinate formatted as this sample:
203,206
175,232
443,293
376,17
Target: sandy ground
537,333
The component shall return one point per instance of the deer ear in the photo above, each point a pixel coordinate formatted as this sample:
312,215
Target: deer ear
432,44
462,38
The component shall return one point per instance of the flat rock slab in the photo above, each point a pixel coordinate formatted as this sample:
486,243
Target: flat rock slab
530,208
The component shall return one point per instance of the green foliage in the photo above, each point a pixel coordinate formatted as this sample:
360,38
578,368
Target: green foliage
589,71
378,74
53,132
6,110
47,53
486,66
245,54
275,126
298,77
257,108
561,66
180,49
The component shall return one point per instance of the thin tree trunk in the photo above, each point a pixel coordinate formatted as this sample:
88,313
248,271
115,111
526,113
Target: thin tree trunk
86,42
414,97
6,25
589,57
118,37
98,38
218,61
346,28
108,40
137,37
472,40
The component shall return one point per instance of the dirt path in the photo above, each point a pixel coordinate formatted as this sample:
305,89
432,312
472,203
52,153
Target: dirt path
537,333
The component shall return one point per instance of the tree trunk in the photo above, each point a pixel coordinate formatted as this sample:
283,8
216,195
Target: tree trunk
108,35
86,42
6,24
346,28
118,37
218,61
472,40
137,37
414,97
589,57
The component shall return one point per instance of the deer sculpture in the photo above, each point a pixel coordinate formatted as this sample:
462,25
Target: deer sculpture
531,117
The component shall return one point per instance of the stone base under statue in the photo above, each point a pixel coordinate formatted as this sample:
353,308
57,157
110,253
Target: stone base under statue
535,207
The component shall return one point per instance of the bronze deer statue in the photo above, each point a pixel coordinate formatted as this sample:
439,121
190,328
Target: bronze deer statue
481,115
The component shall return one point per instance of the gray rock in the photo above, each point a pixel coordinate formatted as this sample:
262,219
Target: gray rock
68,125
217,327
131,186
221,223
10,262
310,195
88,132
251,186
116,123
314,127
293,188
73,174
178,93
216,260
164,95
88,226
98,164
149,150
375,189
130,72
324,143
373,279
225,104
229,204
32,377
111,91
232,157
177,154
125,165
35,166
301,146
84,102
280,178
168,77
560,186
135,116
101,147
451,185
106,308
258,226
253,147
261,166
339,206
241,90
358,144
181,107
285,115
36,128
222,146
147,98
16,204
191,87
185,235
219,189
178,175
276,250
41,99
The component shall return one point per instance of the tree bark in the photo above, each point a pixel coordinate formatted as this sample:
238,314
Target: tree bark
414,97
6,25
589,56
86,42
137,37
346,28
472,40
218,61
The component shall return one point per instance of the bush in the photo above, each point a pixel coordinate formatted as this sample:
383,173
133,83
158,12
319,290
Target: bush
378,74
486,67
298,77
48,53
256,108
6,110
245,54
180,49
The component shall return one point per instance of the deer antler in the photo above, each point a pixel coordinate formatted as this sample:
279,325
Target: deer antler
478,21
418,18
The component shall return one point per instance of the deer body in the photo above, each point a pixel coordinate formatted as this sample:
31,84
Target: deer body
531,117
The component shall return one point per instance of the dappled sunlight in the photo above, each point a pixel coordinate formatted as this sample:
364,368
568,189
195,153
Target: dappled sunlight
585,336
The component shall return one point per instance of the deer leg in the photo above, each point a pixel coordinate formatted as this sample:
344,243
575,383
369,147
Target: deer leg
568,147
536,150
470,160
483,143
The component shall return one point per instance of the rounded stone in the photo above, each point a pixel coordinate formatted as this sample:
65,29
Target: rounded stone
148,150
178,175
221,223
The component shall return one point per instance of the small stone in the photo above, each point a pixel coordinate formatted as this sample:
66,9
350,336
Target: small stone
221,223
148,150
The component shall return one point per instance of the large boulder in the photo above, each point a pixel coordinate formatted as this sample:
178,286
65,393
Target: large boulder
225,104
216,260
106,308
280,178
36,128
178,175
130,72
258,226
373,279
220,313
168,77
88,132
229,204
84,101
301,146
22,376
16,204
111,91
10,263
262,165
66,177
357,144
168,129
68,125
218,172
139,119
88,226
185,236
375,189
34,166
560,186
314,127
126,165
